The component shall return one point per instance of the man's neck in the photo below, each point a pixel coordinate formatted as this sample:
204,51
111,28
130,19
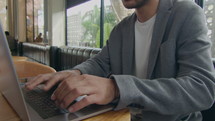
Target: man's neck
147,11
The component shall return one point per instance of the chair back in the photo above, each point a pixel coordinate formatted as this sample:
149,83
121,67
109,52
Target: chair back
19,58
30,69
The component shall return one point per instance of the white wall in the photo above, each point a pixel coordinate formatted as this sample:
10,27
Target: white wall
56,22
21,23
10,17
16,19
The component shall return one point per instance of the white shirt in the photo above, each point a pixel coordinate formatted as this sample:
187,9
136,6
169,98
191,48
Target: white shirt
143,36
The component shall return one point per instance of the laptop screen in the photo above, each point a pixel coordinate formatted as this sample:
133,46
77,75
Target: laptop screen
9,85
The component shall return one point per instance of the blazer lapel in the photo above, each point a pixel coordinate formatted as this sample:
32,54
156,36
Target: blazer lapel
162,17
128,47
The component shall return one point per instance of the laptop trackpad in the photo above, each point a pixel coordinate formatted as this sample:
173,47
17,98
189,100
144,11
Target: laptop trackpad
89,111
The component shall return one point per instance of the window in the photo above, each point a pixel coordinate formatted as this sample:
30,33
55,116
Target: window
209,8
83,24
29,20
38,17
90,22
34,19
3,14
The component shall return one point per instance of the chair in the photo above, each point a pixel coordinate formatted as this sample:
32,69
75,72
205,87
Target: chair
19,58
29,69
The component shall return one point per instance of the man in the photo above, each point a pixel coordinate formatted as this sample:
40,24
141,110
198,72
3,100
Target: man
39,38
156,62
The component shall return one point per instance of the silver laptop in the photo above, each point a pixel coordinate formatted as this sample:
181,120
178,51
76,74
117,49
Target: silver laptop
12,91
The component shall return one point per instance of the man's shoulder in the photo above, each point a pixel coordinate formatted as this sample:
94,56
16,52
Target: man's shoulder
185,9
185,5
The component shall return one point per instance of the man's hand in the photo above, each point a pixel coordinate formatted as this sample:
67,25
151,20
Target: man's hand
50,79
97,90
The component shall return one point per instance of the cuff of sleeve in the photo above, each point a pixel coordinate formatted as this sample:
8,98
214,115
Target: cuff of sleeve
82,70
124,99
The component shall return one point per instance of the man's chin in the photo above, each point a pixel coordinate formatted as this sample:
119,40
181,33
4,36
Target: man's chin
131,4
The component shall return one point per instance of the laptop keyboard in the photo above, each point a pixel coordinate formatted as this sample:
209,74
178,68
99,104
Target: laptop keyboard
40,101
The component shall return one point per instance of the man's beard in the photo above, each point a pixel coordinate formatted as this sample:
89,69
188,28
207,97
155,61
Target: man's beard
137,5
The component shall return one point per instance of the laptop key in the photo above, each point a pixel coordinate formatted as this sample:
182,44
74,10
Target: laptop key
41,103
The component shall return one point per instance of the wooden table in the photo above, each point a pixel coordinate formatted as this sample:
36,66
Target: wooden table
8,114
6,111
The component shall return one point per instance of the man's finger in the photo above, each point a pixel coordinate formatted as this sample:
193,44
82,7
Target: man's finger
65,87
74,94
88,100
35,81
53,80
60,92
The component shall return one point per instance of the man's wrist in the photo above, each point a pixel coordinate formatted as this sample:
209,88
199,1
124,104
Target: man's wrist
116,90
116,93
77,72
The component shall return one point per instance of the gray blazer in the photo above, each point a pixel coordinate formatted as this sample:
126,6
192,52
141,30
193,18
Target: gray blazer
180,78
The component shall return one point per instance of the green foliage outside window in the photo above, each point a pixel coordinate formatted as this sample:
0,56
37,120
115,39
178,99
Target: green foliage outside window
91,24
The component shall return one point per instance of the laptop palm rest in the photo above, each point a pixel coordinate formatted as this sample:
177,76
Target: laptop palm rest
87,112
